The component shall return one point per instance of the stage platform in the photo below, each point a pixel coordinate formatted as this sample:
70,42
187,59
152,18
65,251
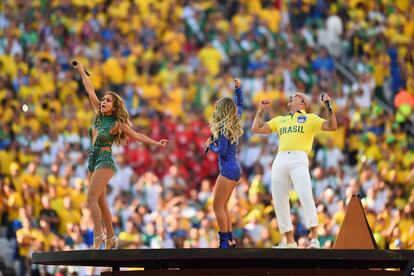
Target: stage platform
239,262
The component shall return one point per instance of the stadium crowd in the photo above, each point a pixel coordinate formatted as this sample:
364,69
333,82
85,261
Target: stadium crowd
170,61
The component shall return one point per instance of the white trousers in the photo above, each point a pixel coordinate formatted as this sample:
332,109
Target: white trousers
292,167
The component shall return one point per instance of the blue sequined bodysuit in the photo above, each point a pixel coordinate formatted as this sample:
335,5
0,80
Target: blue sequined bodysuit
228,165
99,158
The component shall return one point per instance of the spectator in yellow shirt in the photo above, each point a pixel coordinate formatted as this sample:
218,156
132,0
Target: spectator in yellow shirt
242,21
31,177
150,91
266,93
210,58
48,214
78,195
114,71
45,236
175,100
13,201
26,238
130,238
68,214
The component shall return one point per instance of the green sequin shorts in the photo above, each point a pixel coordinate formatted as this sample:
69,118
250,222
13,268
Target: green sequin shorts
97,159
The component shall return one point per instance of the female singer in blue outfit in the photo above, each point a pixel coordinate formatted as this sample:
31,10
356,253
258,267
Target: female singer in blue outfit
226,130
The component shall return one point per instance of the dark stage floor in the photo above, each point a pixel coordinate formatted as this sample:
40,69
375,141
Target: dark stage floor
260,260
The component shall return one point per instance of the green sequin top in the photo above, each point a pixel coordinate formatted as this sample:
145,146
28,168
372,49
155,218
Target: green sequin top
103,124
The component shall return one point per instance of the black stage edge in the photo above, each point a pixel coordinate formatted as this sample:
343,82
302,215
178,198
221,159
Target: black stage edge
198,262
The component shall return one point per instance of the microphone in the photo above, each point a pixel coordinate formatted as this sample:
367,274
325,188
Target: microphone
207,148
75,63
327,104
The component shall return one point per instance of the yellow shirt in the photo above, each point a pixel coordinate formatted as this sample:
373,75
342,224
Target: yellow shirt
45,239
242,23
272,17
174,105
26,238
9,65
30,90
119,9
78,199
96,75
405,225
373,152
381,69
338,136
130,237
66,88
253,6
112,68
210,58
339,217
14,202
151,91
131,74
46,81
6,158
63,190
173,41
408,159
143,6
271,95
56,204
296,132
3,93
66,217
7,115
33,181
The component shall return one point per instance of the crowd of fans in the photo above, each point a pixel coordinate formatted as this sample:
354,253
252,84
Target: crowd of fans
170,61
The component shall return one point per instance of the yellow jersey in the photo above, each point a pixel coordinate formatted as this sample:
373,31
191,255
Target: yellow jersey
296,132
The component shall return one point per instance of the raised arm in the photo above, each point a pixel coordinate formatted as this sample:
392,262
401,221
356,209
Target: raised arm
260,127
330,124
141,137
88,87
221,147
238,97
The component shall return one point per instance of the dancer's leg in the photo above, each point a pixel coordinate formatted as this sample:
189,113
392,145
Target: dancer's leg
96,188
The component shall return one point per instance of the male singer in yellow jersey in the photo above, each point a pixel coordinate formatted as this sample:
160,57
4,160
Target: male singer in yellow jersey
296,132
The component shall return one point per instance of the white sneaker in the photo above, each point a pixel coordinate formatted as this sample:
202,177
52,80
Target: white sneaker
291,245
315,244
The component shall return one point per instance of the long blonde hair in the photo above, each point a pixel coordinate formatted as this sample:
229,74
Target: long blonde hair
121,114
225,120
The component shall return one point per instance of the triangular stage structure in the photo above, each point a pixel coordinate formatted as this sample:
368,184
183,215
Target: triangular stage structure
355,232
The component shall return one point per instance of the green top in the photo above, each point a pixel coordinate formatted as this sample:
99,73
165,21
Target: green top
103,124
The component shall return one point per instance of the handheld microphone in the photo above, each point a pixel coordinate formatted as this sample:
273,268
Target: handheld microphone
75,63
207,148
327,104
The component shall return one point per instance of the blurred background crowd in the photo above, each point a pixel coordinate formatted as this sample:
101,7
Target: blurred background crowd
170,61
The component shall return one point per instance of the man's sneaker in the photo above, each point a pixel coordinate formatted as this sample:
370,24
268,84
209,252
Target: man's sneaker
315,244
291,245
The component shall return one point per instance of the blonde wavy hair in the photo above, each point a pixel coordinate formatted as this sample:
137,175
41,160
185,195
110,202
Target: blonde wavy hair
225,120
121,114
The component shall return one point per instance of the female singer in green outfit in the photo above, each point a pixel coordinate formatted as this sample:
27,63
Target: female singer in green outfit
111,124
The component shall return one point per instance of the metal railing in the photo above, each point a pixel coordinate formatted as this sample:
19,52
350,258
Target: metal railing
353,79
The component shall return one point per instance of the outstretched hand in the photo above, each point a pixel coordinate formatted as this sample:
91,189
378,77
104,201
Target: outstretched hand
208,142
237,83
264,104
77,65
325,97
162,142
